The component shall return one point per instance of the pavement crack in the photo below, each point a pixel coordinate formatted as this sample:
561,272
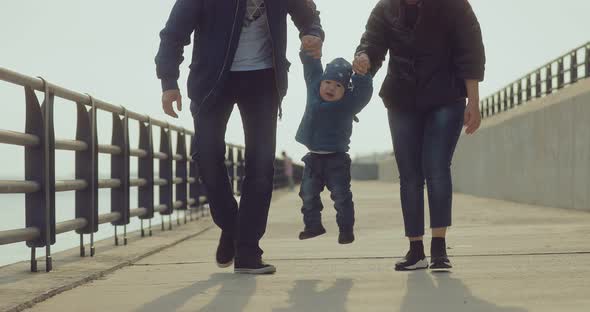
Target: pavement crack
170,263
378,258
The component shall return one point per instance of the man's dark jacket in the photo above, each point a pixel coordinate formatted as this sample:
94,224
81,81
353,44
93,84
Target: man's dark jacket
217,25
429,62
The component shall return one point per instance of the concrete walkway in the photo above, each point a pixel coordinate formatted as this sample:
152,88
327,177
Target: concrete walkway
508,257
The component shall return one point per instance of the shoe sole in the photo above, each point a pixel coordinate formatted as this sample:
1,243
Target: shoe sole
345,242
225,265
442,266
261,271
310,237
420,265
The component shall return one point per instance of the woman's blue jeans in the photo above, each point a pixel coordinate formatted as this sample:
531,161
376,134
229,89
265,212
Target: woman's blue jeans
424,143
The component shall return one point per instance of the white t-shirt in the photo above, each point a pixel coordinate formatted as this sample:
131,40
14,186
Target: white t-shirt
255,47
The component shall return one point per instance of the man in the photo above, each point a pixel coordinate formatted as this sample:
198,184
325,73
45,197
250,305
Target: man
239,57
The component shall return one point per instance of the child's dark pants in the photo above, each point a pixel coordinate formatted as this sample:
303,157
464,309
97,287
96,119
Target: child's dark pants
331,171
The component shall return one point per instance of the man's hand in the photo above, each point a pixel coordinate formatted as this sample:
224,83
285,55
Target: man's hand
361,64
312,45
472,116
168,98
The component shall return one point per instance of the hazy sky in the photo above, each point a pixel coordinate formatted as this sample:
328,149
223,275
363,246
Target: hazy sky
107,48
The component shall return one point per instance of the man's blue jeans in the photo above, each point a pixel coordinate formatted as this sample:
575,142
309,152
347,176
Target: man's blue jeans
424,143
256,96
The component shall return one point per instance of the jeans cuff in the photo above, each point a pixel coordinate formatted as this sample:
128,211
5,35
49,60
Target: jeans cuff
440,224
414,233
346,228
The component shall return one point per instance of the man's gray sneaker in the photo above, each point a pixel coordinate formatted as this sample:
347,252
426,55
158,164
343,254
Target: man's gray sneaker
256,268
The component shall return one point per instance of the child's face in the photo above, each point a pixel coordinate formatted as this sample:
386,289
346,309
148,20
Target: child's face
331,91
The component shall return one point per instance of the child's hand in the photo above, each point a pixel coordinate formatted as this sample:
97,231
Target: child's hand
361,64
312,45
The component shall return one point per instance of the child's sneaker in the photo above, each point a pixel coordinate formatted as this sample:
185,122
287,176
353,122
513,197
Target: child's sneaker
312,232
345,237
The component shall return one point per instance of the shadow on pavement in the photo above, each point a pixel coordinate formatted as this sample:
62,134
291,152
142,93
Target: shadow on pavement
441,292
305,296
234,294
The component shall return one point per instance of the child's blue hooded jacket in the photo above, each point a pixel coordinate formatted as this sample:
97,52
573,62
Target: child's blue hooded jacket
327,126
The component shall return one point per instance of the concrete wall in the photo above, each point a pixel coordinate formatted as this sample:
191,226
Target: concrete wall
538,153
364,171
388,170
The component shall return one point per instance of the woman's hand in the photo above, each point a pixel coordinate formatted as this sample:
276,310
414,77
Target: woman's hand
361,64
472,116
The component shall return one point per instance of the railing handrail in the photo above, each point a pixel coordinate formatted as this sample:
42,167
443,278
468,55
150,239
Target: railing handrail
509,97
552,61
40,146
74,96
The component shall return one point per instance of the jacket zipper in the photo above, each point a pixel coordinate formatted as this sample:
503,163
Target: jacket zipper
226,53
274,62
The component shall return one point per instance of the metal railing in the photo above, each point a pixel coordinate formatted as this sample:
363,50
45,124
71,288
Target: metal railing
178,180
550,78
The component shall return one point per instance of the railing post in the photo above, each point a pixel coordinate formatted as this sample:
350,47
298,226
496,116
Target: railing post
195,188
482,108
120,170
587,62
494,103
87,170
548,80
146,171
574,67
166,191
560,74
511,97
504,100
519,93
40,167
538,89
181,172
240,171
230,164
529,88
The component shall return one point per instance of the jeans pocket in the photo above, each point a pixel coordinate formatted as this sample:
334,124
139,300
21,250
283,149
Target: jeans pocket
305,159
308,161
194,108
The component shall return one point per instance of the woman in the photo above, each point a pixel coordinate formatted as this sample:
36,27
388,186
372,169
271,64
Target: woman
436,61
